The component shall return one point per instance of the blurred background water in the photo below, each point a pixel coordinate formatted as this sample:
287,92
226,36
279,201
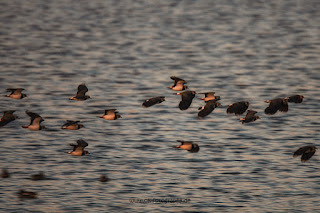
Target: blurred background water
125,51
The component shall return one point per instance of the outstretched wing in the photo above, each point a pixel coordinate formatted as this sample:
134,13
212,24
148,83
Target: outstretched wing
34,117
82,89
82,143
178,80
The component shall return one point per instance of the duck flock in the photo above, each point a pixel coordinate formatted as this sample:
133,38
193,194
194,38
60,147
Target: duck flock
211,101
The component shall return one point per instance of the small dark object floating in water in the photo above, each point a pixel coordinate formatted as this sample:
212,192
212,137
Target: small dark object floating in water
103,178
5,173
27,194
39,176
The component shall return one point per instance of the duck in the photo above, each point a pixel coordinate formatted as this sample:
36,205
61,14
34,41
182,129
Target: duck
152,101
35,121
238,108
103,178
306,152
209,96
189,146
250,117
78,149
208,108
16,93
280,104
38,176
178,84
81,94
5,173
110,114
7,117
295,98
186,99
27,194
72,125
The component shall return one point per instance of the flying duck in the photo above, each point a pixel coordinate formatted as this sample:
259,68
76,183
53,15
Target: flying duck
78,149
208,108
280,104
82,89
152,101
7,117
306,151
187,98
191,147
16,93
111,114
250,117
238,108
72,125
178,84
35,121
209,96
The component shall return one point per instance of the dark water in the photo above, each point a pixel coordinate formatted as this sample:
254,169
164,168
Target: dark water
125,52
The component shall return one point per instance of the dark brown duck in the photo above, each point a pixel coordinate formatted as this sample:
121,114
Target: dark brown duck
306,152
152,101
110,114
186,99
209,96
7,117
280,104
238,108
72,125
81,93
16,93
178,84
78,149
250,117
189,146
208,108
35,121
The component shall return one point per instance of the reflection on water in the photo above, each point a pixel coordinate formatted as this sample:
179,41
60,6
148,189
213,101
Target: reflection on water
125,52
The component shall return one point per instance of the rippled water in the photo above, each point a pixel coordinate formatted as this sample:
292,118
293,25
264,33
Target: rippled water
125,52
